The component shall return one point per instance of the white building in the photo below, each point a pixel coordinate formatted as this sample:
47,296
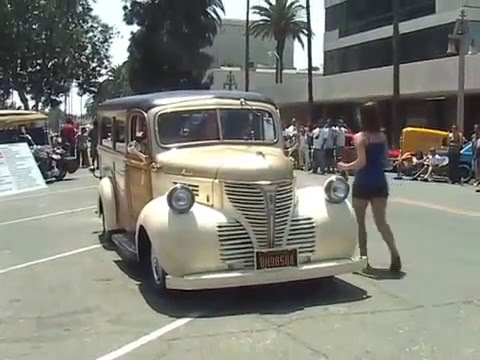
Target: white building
358,62
229,48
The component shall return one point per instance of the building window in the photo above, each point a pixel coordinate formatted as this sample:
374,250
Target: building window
426,44
356,16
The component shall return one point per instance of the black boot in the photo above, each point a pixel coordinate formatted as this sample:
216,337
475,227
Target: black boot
396,265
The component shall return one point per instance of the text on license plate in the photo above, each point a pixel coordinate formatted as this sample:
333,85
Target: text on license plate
276,259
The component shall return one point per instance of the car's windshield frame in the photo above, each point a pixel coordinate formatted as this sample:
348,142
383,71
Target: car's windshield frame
218,109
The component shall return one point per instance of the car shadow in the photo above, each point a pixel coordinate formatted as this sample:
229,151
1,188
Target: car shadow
269,299
381,274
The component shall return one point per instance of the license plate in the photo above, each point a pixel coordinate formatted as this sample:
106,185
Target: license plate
273,259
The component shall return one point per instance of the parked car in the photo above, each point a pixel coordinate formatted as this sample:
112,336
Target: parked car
31,127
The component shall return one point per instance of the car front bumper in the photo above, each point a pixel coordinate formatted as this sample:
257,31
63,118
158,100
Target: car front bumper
229,279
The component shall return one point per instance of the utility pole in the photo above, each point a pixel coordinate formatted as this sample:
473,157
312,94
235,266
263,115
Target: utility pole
247,48
396,119
310,65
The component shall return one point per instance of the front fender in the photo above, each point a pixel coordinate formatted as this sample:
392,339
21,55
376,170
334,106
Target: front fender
184,243
335,224
106,194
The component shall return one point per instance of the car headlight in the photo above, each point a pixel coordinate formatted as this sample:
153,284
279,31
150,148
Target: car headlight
336,189
180,198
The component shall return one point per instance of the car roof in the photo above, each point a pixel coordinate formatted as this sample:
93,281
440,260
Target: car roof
148,101
11,117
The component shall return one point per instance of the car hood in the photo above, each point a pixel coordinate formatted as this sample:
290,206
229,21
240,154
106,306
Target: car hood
228,162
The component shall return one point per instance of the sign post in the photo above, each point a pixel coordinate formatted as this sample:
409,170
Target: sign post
18,170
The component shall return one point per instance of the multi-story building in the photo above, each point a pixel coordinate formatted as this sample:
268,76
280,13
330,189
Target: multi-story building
229,48
358,58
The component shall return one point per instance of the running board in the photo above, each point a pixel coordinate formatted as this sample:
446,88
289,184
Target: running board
125,241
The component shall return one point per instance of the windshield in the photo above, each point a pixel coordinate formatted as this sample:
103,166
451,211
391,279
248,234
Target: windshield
244,125
38,136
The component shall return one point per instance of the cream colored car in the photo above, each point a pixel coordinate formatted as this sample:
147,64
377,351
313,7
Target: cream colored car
196,185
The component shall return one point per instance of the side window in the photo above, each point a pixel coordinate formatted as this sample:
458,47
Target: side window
139,132
119,135
106,132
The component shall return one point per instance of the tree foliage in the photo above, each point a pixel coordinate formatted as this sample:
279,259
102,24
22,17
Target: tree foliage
166,51
280,20
46,45
115,85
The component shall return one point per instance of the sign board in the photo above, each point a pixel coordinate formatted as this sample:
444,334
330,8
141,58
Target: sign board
18,170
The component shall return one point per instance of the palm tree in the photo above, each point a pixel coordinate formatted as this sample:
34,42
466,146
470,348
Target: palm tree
115,85
280,20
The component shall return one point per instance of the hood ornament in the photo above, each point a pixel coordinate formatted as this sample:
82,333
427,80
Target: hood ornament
259,153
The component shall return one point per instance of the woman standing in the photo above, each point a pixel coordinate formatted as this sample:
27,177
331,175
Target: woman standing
370,185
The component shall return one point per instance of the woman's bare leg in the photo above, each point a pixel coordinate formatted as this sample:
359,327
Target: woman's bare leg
379,210
360,208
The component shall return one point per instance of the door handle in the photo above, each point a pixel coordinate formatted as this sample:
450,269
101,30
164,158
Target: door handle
154,167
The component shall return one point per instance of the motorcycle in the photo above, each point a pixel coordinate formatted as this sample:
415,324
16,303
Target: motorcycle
53,161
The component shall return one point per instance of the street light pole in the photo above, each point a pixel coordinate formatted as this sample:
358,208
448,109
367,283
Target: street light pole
460,34
310,65
461,85
247,48
396,126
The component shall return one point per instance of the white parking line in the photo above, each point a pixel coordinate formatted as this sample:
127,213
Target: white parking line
433,206
147,338
44,216
55,257
50,193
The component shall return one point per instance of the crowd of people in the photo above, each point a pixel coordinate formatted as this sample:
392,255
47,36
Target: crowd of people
79,140
424,167
318,147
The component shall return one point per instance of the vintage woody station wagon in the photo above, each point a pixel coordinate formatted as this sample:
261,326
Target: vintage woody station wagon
196,185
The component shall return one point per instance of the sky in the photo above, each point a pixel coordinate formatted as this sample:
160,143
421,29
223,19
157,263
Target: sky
111,12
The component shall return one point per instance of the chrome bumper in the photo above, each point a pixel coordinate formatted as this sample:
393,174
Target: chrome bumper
229,279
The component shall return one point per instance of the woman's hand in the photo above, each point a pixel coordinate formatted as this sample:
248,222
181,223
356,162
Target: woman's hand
341,166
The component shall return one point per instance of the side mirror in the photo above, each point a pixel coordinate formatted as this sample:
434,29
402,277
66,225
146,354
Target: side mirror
134,149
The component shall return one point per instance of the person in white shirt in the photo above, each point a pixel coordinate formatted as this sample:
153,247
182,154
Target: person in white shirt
303,150
432,163
340,134
328,147
317,149
292,130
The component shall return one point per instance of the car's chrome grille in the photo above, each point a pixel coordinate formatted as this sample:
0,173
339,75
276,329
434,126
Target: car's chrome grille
301,235
194,188
236,248
249,200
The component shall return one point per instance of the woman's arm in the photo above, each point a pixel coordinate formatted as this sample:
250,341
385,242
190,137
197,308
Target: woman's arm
360,148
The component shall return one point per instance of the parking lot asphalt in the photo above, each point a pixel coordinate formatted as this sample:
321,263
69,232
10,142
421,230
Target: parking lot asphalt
64,295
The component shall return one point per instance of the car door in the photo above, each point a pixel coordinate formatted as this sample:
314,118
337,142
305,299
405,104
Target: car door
138,172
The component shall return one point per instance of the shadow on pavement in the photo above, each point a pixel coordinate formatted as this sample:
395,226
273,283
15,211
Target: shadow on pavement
270,299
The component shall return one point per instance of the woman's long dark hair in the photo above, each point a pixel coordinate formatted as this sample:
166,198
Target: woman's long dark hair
369,119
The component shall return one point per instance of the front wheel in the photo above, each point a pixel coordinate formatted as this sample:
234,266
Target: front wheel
62,172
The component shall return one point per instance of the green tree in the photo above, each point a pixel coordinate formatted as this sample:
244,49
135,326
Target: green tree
280,20
49,45
166,51
115,85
